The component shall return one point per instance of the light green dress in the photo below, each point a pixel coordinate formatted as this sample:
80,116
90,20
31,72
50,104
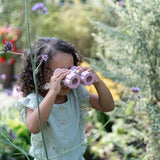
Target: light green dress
64,130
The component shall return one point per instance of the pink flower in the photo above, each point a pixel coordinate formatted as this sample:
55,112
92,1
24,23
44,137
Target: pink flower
17,92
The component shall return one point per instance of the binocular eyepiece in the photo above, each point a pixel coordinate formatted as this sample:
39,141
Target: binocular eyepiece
76,77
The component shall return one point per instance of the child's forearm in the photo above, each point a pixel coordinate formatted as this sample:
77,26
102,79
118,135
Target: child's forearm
45,110
105,98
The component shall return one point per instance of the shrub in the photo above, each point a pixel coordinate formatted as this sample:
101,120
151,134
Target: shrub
14,136
128,54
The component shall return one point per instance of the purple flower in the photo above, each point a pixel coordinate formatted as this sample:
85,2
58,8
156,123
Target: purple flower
135,89
7,46
13,136
10,132
4,127
39,6
139,96
9,92
45,57
0,156
15,76
3,76
121,3
45,10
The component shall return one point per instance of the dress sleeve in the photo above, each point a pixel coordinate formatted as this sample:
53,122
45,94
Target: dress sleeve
30,101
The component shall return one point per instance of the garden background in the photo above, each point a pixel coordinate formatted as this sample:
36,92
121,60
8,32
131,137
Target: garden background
120,40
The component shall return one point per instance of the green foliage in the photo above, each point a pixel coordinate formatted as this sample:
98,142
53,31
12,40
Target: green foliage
126,140
12,15
66,21
70,22
127,45
129,55
14,136
103,118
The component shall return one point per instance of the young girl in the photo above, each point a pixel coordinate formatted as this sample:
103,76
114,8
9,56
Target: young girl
62,110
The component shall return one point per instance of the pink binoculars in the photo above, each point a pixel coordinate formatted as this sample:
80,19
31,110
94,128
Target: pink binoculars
76,77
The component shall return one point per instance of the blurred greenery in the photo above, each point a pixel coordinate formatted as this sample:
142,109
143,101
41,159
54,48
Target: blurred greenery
122,37
14,135
68,22
129,55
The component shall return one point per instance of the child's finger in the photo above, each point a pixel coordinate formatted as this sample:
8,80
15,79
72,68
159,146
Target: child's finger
58,72
82,68
59,75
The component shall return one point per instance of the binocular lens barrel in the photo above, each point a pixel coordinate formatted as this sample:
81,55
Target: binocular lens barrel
74,79
87,78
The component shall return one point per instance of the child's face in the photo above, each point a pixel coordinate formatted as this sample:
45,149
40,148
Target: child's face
62,60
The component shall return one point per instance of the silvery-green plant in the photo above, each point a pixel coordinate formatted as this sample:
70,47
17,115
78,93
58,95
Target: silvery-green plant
129,54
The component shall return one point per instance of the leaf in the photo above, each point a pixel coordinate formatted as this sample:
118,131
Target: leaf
36,71
129,108
1,46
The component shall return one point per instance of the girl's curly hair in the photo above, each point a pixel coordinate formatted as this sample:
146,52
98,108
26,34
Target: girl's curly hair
43,46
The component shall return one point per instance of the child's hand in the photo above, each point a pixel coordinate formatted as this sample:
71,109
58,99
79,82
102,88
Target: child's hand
81,68
56,79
